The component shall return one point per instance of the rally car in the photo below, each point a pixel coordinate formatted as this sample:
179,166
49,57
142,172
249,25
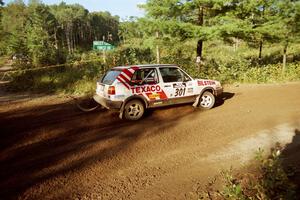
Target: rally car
132,89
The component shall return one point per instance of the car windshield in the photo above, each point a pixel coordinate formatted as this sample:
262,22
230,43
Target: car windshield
110,77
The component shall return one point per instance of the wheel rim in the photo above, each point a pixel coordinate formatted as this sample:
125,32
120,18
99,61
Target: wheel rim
206,101
134,110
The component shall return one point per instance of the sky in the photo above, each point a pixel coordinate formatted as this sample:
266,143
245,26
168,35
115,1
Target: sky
122,8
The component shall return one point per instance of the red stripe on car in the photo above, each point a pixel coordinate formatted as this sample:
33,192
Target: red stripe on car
124,78
135,68
123,82
128,73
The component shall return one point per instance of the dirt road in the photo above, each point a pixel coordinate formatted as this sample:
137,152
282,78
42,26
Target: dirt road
50,150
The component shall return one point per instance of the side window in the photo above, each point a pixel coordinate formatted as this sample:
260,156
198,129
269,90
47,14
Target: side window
144,76
185,76
171,75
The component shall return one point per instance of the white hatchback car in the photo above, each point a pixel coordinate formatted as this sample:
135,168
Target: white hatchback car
132,89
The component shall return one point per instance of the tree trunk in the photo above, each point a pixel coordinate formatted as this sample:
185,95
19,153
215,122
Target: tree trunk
72,39
68,40
63,36
157,54
260,49
199,48
284,57
55,39
200,42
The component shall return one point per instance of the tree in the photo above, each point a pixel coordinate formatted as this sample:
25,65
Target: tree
44,32
2,34
104,26
13,22
41,35
288,24
78,28
160,21
185,19
249,21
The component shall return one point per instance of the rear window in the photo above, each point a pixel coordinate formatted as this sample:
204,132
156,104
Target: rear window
110,77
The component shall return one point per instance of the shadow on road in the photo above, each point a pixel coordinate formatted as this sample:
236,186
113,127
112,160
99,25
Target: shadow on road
40,143
44,142
291,160
225,96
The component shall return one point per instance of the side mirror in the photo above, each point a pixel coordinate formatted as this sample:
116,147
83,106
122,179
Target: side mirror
186,79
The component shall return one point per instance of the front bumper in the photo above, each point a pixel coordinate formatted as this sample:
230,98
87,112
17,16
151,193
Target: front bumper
219,91
112,105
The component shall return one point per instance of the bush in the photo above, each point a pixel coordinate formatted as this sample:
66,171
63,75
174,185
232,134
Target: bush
265,179
69,79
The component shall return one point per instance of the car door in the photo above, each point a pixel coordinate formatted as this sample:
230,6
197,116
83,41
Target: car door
145,82
177,85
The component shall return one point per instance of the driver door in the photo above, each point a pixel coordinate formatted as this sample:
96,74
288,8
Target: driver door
177,85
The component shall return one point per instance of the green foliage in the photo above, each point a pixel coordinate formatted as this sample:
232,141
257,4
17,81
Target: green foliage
70,79
258,23
80,76
48,34
40,35
233,188
3,60
232,31
131,55
13,23
289,21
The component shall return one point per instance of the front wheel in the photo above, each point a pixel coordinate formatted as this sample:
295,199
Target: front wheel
207,100
134,110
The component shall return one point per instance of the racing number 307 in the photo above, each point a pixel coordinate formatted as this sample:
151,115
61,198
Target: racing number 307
179,92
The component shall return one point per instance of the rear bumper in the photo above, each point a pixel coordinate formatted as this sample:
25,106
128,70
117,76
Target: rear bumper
112,105
218,91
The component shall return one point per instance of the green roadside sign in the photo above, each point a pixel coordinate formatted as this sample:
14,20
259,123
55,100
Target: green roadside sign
102,46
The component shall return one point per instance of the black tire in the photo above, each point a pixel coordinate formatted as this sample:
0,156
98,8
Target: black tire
207,100
134,110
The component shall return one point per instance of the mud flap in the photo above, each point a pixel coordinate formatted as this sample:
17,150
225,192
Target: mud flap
196,103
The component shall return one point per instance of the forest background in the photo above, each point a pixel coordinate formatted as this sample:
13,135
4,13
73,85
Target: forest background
234,41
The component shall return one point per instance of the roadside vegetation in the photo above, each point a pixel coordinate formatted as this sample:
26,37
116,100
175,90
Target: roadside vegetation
234,42
265,178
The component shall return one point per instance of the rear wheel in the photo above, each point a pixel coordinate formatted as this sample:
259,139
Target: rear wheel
134,110
207,100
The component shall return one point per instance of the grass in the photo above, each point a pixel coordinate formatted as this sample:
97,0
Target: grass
3,60
63,80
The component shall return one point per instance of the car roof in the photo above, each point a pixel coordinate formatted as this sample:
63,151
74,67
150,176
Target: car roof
146,66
